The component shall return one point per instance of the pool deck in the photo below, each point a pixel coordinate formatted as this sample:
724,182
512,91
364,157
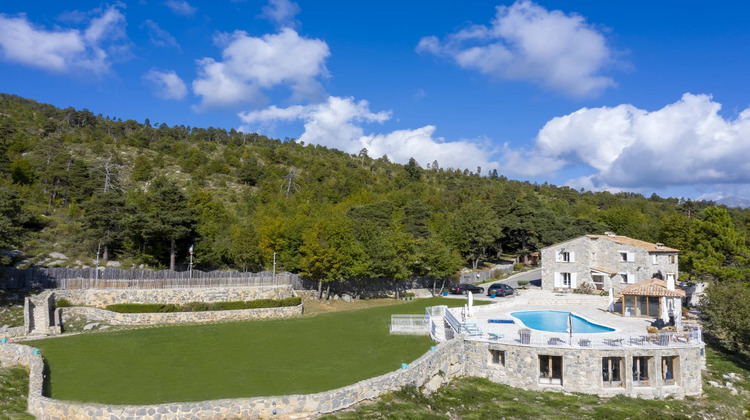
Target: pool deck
629,331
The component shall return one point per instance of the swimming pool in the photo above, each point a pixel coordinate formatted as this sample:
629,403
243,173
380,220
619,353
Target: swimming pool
557,321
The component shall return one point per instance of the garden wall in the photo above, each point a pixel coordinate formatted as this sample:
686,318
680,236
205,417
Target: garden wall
159,318
432,370
102,298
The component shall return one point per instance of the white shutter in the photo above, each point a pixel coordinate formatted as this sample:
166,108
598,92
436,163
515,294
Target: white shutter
558,281
572,257
573,284
557,256
631,257
630,278
653,257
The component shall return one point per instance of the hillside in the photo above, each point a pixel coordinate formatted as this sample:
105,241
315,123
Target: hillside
74,182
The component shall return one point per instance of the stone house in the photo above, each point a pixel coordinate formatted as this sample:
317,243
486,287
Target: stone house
611,263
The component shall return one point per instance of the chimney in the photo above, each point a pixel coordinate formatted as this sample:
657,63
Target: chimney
659,245
610,234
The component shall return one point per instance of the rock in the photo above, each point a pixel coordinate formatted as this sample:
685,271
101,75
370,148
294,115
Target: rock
733,391
5,328
335,297
114,264
90,326
104,327
12,254
55,262
58,256
346,298
728,384
714,383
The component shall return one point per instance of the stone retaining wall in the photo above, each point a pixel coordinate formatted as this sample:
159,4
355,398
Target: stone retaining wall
432,370
582,369
115,318
12,332
102,298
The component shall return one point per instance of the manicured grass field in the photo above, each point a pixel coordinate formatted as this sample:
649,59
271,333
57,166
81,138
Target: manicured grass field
242,359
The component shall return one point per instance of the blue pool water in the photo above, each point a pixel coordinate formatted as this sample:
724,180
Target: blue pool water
557,321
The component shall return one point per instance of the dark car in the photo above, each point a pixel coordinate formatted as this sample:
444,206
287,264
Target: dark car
462,288
500,289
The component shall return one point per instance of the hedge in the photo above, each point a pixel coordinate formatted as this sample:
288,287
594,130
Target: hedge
139,308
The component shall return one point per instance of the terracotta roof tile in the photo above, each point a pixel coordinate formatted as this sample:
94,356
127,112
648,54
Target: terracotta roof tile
624,240
652,287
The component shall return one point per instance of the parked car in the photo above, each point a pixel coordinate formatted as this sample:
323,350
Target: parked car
500,289
462,288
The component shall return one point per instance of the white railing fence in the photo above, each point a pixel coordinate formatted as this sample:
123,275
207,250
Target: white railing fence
409,324
689,338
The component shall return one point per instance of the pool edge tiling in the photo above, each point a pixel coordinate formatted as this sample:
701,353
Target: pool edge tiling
557,322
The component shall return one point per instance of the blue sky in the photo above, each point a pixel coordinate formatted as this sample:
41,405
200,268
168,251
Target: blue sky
640,96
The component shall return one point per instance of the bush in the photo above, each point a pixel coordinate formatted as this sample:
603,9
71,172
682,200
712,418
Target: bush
291,301
135,308
63,303
523,283
585,289
518,266
146,308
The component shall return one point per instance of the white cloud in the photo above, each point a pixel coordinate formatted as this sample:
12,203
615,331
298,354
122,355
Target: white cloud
179,7
252,64
63,50
683,143
281,12
159,36
167,84
338,122
527,42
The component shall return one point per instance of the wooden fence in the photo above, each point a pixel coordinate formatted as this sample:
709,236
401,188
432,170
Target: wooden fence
115,278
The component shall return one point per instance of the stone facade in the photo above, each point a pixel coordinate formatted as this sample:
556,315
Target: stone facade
164,318
582,369
430,371
104,297
600,256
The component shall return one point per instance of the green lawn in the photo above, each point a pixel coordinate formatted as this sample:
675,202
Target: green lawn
242,359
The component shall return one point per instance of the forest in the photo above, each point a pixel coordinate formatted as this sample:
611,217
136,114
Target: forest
142,193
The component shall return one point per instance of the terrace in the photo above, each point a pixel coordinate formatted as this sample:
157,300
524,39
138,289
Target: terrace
630,332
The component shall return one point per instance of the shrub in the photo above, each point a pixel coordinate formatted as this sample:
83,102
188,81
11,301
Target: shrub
63,303
517,266
135,308
523,283
291,301
585,289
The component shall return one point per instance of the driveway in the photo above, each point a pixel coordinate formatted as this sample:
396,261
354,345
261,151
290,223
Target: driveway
534,277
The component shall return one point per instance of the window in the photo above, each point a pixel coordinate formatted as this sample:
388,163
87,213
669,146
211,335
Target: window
672,258
611,371
642,306
550,370
623,256
498,357
654,259
565,279
565,256
640,371
669,366
626,256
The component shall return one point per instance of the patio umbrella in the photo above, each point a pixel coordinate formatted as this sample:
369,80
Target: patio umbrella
471,303
570,327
